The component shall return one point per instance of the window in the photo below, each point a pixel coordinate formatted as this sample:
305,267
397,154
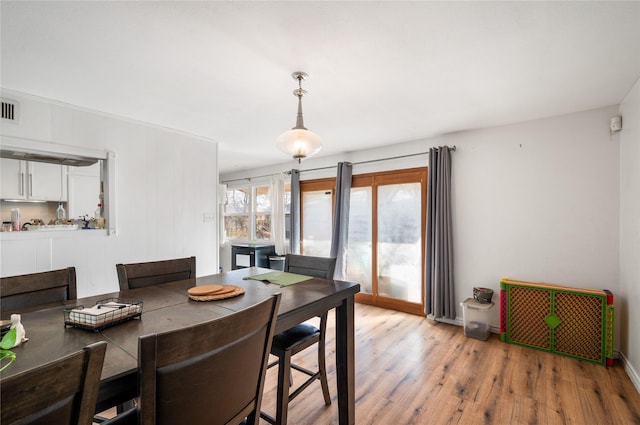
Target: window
236,213
248,213
316,216
359,256
287,211
262,215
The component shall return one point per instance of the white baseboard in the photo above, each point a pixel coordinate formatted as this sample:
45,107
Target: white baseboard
633,374
456,321
459,322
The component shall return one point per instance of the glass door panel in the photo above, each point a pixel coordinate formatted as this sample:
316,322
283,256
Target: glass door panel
359,261
316,216
399,250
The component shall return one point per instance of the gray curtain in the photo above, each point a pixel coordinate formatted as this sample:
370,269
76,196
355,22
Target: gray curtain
440,300
340,231
294,236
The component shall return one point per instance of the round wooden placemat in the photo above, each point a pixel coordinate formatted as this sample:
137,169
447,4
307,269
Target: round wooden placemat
207,290
237,290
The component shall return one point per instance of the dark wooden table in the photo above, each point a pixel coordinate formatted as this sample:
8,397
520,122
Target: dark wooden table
167,307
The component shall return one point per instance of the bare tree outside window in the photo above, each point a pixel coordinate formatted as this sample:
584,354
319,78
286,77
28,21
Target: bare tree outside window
248,213
263,213
236,213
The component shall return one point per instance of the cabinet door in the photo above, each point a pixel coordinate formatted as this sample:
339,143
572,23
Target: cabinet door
47,182
84,192
13,179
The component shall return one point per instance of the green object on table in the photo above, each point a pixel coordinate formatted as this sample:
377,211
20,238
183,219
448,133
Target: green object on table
7,342
280,278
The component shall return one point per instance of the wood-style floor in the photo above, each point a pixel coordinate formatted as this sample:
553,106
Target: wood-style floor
410,370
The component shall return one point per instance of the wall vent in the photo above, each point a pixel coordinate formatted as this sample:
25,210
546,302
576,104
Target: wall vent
9,110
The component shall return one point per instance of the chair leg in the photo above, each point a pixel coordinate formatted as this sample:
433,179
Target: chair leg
270,365
323,373
284,375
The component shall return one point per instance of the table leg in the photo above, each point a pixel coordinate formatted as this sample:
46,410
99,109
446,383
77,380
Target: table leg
345,361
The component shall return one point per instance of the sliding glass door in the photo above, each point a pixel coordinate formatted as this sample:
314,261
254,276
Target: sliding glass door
386,234
386,239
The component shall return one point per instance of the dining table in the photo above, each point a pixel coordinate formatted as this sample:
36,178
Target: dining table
167,307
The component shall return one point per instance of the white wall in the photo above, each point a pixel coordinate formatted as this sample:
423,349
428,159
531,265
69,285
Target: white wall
165,182
536,201
629,293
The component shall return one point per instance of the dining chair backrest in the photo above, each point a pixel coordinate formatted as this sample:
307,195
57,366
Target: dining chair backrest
310,266
210,373
300,337
29,290
61,392
137,275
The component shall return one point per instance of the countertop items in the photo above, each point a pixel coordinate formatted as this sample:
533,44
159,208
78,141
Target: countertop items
49,227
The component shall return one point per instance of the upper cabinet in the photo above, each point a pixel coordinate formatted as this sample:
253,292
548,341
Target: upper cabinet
38,181
84,190
48,181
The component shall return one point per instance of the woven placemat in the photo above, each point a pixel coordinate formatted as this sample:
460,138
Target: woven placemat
237,290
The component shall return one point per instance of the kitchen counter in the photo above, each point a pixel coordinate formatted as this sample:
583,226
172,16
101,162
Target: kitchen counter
34,251
45,234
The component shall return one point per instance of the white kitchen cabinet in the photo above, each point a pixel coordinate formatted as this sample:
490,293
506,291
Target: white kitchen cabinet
84,190
38,181
13,177
48,181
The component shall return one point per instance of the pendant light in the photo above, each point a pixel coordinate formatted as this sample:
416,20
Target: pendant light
299,142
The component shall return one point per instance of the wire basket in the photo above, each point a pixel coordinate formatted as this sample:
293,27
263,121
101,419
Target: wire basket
105,313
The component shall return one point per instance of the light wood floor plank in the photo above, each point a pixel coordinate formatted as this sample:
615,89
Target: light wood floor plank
410,370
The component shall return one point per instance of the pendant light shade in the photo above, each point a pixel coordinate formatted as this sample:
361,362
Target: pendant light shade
299,142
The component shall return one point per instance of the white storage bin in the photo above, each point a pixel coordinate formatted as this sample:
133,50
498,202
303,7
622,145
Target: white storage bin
475,316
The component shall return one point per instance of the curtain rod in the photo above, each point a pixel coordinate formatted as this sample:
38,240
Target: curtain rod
288,172
256,177
372,160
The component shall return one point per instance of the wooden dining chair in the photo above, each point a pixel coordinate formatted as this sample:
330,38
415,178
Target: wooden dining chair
211,373
290,342
23,292
137,275
61,392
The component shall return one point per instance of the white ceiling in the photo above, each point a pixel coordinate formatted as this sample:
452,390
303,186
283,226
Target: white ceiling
380,72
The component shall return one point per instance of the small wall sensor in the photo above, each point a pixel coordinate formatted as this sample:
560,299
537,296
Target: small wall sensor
615,124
